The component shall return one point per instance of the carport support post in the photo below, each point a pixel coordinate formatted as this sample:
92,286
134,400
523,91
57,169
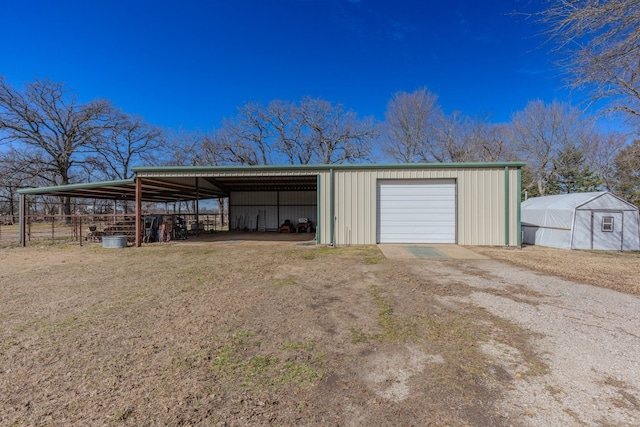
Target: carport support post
138,212
22,225
197,207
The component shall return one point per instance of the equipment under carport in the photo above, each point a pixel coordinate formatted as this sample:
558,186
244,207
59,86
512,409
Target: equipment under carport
180,229
151,223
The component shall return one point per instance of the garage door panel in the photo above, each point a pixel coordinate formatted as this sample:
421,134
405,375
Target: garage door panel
418,211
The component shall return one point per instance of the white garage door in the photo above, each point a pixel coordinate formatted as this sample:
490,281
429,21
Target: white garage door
417,211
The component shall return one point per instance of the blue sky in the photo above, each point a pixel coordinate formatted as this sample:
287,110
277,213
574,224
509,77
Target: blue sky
189,64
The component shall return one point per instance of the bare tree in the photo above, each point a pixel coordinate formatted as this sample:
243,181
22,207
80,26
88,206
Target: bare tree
601,43
181,148
128,141
489,142
16,171
600,151
412,121
540,132
212,149
251,131
335,135
287,124
453,142
46,120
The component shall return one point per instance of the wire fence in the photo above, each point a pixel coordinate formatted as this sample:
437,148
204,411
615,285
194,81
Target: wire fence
90,229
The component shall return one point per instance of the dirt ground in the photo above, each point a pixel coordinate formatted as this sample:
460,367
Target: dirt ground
236,333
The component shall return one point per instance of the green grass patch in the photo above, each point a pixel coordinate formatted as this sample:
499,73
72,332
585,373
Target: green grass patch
358,336
394,327
286,282
235,362
299,373
298,346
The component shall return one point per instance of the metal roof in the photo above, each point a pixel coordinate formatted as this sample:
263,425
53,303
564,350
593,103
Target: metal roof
173,183
141,170
174,188
152,190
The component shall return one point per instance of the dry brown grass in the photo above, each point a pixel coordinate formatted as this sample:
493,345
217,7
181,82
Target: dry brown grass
615,270
240,333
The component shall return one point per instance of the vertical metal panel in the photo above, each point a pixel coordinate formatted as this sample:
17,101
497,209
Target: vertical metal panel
483,205
325,205
481,196
506,206
293,213
253,198
318,210
355,207
277,205
298,198
518,191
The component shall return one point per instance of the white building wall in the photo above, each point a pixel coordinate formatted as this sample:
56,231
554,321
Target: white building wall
631,240
278,206
581,232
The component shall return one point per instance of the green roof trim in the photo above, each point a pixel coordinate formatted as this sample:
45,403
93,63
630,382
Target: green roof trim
168,169
74,187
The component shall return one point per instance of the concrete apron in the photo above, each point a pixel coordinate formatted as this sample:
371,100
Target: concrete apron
427,251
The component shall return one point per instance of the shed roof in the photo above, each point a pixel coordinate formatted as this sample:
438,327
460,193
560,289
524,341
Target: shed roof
560,201
557,211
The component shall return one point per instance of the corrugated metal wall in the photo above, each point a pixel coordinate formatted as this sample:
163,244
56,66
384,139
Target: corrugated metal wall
484,215
277,205
487,197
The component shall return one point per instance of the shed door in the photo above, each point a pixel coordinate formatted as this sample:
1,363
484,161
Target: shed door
606,231
417,211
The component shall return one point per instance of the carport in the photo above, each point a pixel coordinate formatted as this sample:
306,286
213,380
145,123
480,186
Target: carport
268,190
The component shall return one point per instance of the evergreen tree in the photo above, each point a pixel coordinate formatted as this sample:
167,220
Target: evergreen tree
627,175
571,174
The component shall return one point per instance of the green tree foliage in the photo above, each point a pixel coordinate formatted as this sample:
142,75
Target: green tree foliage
627,174
571,174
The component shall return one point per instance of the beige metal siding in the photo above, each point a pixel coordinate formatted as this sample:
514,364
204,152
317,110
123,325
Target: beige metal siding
324,201
514,204
481,203
483,200
355,207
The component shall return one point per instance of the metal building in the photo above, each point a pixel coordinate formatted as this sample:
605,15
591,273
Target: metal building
463,203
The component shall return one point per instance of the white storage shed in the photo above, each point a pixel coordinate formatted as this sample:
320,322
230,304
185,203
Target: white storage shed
597,220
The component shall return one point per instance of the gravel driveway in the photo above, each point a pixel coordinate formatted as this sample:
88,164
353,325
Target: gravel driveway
588,336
